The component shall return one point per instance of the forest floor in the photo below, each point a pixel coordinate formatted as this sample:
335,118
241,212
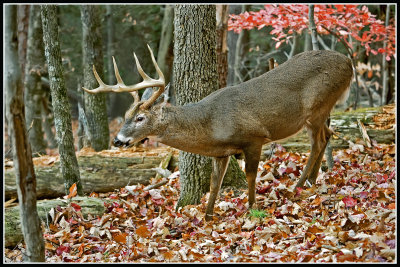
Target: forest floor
348,216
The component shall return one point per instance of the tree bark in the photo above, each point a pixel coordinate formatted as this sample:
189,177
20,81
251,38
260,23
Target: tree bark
231,40
33,86
61,106
111,98
222,46
25,175
385,69
242,46
165,55
95,104
23,25
312,28
195,76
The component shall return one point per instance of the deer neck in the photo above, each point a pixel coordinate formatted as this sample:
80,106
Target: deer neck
180,124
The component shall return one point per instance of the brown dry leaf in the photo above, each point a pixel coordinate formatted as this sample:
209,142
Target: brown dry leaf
121,238
73,191
168,255
142,231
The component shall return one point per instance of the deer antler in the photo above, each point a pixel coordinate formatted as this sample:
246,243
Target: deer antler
121,87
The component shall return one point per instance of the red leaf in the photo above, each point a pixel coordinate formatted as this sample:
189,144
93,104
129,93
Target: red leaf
349,202
76,206
62,249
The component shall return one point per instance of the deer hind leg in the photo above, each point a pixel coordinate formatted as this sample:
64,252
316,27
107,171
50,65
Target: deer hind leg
325,135
252,157
319,138
219,169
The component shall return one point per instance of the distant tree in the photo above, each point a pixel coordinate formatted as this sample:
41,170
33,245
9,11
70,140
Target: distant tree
221,44
33,86
196,76
23,165
95,105
61,106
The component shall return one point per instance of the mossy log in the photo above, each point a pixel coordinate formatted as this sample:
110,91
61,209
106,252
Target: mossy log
12,227
98,174
344,123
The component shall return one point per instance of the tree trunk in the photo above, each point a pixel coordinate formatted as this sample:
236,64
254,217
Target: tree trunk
195,76
312,28
242,46
385,69
25,174
165,55
95,104
222,47
231,40
61,106
23,24
111,98
33,85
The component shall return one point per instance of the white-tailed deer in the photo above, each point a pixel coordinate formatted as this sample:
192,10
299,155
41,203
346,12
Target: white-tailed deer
240,119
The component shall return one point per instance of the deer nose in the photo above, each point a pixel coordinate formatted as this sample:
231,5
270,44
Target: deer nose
118,142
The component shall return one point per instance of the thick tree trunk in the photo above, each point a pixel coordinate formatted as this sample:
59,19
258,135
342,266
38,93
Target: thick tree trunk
22,155
61,106
33,85
95,104
195,76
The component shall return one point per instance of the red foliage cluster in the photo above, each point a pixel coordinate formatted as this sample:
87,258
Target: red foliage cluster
347,20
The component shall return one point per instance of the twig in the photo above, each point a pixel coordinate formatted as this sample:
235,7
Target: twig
153,186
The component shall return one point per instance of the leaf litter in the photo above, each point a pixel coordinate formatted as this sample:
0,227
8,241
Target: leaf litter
348,216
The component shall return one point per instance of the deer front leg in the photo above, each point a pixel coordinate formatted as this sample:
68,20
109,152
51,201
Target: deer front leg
219,169
252,157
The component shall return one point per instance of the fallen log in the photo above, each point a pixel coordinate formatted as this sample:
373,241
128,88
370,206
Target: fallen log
345,124
98,174
12,226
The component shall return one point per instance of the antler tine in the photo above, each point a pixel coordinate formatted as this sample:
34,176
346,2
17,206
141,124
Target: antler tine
161,80
121,87
102,86
117,76
136,97
156,65
140,70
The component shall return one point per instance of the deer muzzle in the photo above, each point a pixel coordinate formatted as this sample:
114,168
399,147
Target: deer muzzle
126,143
119,143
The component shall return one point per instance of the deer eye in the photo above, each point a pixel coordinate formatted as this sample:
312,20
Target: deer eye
139,118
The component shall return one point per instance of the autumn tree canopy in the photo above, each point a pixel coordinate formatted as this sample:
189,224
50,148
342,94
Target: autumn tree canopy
351,23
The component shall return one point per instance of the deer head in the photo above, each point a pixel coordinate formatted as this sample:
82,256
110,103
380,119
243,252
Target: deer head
141,119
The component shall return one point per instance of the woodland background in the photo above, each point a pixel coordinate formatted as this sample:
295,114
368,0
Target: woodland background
349,216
